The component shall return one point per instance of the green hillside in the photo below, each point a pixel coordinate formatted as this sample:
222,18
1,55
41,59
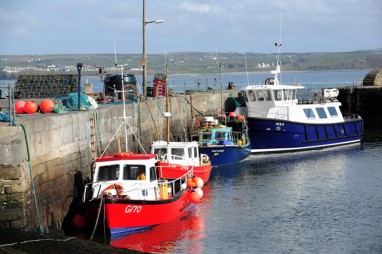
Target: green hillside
202,62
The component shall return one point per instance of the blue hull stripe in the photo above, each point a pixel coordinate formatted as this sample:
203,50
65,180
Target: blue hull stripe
270,135
225,155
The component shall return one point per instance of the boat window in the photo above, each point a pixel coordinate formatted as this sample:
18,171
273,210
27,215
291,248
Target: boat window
289,94
321,113
251,95
309,113
110,172
132,172
190,152
245,95
160,152
177,153
153,174
219,135
195,152
259,95
278,94
268,95
205,136
332,111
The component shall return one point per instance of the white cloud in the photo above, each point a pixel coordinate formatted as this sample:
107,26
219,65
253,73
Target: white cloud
192,7
190,25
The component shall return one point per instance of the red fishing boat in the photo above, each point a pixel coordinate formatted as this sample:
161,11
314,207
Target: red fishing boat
128,193
176,158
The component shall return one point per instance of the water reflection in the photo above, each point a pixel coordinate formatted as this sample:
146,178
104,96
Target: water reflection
182,234
321,201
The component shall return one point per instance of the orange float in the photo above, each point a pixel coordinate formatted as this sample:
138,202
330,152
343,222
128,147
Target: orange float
46,106
19,107
199,191
232,114
190,183
198,181
194,197
30,107
240,118
79,221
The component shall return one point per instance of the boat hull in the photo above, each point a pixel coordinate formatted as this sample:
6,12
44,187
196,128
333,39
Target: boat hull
124,216
168,170
274,135
225,155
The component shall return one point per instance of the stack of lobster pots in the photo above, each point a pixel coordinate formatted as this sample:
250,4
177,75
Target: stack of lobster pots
45,86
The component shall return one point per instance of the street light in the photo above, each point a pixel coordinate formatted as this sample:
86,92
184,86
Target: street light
144,45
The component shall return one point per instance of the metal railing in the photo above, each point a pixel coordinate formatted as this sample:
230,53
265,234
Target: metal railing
10,110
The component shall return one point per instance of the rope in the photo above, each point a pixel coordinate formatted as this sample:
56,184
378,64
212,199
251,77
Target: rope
96,223
38,240
39,229
193,106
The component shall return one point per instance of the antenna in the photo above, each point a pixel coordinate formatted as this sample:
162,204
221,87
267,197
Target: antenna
278,61
115,55
246,68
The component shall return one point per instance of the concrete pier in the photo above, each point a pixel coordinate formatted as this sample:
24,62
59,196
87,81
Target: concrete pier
55,152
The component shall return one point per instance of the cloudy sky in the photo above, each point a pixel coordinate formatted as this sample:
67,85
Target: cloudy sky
92,26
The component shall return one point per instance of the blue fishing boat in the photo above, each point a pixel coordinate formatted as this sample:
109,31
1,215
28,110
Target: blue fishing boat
285,118
225,141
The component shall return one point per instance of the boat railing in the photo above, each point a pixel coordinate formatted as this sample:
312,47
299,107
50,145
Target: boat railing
350,116
174,186
316,95
240,137
167,157
166,188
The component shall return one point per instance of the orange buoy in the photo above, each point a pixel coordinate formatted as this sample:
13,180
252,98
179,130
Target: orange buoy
190,183
199,191
30,107
198,181
194,197
19,107
79,221
46,106
240,118
232,114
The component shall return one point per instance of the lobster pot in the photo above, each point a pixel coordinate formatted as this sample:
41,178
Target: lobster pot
163,190
45,86
113,85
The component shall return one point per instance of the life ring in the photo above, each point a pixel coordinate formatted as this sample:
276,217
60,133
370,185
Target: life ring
117,187
205,159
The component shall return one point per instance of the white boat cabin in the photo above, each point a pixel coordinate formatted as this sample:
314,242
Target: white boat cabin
133,177
180,153
285,102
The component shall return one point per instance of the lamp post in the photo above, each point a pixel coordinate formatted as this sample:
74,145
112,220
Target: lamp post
144,61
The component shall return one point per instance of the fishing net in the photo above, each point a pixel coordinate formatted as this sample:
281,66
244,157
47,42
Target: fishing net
70,103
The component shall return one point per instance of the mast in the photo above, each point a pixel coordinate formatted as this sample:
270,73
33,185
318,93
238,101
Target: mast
221,65
167,109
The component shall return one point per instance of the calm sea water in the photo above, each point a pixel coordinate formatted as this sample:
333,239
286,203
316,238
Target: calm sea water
180,83
321,79
322,201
